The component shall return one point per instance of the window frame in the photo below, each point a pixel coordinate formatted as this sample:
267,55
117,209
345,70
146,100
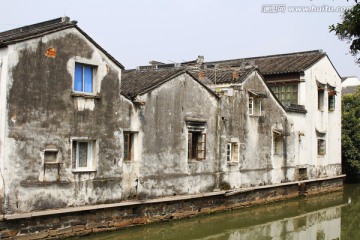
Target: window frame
282,91
196,146
251,106
254,107
91,155
331,102
83,80
130,143
232,152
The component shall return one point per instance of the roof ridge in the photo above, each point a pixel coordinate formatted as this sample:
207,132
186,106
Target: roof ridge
28,28
268,56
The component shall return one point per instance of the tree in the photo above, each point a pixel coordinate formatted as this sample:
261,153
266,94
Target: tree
351,135
349,29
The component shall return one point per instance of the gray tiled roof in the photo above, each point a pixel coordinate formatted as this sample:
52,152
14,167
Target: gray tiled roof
43,28
134,82
349,90
225,76
277,64
34,30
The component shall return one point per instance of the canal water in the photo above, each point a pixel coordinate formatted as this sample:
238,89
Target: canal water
323,217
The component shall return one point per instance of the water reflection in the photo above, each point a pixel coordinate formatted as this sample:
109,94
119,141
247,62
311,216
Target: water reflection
330,216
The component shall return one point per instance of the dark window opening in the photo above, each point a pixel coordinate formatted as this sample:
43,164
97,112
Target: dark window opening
321,147
196,146
331,102
128,146
321,99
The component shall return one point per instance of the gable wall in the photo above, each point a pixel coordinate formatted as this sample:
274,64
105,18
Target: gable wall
257,165
164,168
41,110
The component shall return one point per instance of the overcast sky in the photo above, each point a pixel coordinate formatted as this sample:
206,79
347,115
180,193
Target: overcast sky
137,31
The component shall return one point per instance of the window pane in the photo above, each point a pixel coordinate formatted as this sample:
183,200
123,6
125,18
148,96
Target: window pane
82,154
78,82
88,79
228,152
190,155
200,146
126,146
235,155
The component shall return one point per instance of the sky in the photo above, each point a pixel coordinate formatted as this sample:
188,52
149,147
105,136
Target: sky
138,31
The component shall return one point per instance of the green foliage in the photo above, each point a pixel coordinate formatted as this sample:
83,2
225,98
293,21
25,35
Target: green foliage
349,29
351,135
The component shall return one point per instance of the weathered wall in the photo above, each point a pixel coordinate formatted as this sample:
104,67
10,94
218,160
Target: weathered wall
3,77
79,223
257,164
164,168
305,125
41,110
326,121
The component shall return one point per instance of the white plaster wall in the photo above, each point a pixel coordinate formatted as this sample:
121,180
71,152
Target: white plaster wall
306,150
168,171
324,72
3,115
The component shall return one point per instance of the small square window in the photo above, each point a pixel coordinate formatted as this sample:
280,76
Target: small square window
50,157
83,155
50,154
232,152
84,78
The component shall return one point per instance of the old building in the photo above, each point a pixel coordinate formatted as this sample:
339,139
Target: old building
309,88
79,133
349,85
60,140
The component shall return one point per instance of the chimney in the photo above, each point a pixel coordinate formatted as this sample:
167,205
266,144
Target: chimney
200,60
65,19
235,75
201,75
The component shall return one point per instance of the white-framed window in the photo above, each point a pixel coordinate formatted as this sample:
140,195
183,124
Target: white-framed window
321,147
84,78
196,145
278,141
254,106
84,155
251,105
232,152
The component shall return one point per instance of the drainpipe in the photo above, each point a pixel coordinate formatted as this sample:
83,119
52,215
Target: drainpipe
218,139
286,134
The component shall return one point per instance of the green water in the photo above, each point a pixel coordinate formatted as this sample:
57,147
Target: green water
323,217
